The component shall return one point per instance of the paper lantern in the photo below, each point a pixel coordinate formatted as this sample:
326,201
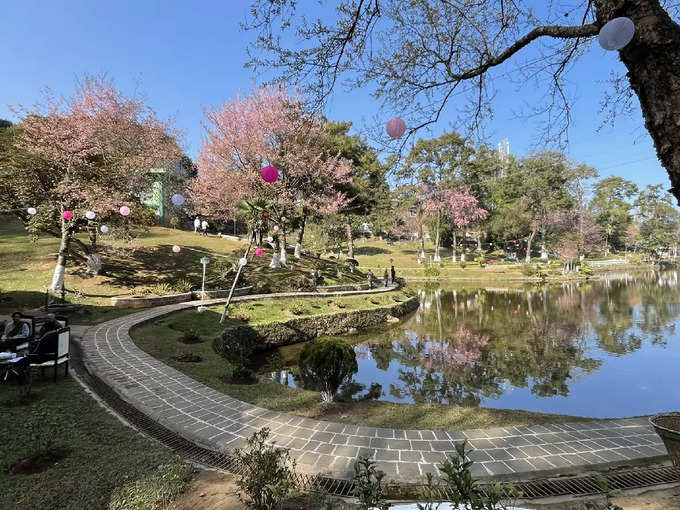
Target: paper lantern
396,128
242,261
31,210
201,309
265,214
283,219
270,239
176,249
269,174
67,215
258,252
616,33
125,210
90,215
276,228
177,199
104,229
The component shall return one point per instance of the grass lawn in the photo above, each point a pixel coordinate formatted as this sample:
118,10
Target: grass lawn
26,268
108,465
159,339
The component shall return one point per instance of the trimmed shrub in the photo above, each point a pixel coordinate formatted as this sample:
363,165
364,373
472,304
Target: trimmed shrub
236,344
190,337
326,364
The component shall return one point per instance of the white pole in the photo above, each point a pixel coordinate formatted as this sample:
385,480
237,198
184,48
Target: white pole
203,284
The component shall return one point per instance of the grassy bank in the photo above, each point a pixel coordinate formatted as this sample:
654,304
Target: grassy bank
107,465
146,264
160,339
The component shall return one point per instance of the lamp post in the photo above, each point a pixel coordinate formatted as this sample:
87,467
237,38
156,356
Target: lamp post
204,261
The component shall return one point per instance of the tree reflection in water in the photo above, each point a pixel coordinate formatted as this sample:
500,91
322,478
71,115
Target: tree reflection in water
466,345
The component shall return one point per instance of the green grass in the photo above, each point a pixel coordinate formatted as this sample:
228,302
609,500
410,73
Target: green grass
159,339
26,268
110,465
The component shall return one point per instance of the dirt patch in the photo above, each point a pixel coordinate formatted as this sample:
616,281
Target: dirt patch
212,490
667,498
39,461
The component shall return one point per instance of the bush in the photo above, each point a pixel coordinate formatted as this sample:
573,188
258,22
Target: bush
297,309
241,374
586,269
162,289
463,264
139,291
326,364
481,260
268,473
237,344
190,337
182,286
432,271
368,487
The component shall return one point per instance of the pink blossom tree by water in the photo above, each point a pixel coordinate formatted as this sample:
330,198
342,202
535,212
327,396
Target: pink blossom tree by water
97,149
460,206
267,127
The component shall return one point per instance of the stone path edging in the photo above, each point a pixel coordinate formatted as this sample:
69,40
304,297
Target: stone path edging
218,421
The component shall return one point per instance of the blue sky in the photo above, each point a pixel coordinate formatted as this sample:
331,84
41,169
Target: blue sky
185,56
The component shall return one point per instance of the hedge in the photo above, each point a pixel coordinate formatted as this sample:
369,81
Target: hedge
293,331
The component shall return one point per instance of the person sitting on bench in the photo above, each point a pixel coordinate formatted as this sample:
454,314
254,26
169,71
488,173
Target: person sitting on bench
16,332
44,348
50,324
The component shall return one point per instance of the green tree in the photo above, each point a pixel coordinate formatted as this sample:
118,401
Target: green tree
612,205
436,164
531,191
368,190
327,363
658,220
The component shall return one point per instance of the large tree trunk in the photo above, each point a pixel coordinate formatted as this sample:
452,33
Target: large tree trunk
653,62
60,268
437,258
544,251
350,241
529,241
301,234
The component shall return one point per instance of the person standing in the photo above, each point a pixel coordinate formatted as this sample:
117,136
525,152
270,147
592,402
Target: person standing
204,227
197,223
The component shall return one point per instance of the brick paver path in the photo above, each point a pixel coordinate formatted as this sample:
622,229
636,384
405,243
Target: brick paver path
215,420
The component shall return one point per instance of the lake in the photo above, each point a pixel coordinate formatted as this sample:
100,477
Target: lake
602,348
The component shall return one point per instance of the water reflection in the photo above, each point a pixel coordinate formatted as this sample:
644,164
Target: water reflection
603,348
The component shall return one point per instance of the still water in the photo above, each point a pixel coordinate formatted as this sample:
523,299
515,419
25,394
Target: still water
606,348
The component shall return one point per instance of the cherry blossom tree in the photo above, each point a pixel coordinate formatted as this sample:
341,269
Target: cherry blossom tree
461,207
267,127
92,152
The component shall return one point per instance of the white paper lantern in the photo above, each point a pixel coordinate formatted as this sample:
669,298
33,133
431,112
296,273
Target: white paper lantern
201,309
243,261
90,215
616,33
275,228
176,249
270,239
177,199
283,219
104,229
31,210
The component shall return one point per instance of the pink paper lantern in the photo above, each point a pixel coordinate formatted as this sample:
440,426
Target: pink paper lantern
125,210
258,252
176,249
396,128
265,214
67,215
269,174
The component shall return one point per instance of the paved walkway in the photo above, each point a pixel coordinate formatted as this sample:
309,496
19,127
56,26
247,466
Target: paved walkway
213,419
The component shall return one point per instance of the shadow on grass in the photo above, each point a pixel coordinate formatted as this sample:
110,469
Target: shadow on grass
371,250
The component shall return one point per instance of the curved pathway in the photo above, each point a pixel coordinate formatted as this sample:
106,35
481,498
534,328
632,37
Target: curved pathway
215,420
